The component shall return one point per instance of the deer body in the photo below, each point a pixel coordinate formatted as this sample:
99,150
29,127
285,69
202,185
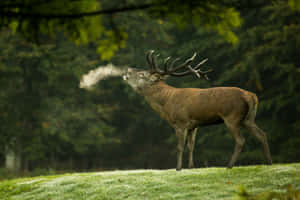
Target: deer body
192,107
186,109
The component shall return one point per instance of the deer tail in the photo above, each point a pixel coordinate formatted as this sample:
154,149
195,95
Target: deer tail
252,102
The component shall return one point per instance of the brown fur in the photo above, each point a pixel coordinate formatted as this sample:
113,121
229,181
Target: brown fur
187,108
182,106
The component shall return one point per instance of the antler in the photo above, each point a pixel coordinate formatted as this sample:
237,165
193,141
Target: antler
170,69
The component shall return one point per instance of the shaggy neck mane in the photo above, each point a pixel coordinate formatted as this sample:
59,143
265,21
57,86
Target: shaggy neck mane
159,93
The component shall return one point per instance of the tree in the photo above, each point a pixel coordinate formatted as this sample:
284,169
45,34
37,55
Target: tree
42,109
82,20
49,122
269,60
264,62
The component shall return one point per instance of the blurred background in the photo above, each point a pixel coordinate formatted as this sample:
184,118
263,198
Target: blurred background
49,125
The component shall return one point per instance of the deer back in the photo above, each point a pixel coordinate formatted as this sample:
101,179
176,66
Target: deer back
193,106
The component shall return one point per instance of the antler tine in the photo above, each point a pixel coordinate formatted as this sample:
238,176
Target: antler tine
185,64
154,63
200,73
166,63
201,63
195,70
205,73
149,60
171,66
171,70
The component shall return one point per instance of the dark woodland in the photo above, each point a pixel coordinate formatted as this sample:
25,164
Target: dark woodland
48,124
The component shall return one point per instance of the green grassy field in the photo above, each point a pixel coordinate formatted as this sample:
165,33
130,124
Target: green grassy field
205,183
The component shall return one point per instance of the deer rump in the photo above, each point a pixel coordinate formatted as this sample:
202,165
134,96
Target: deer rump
193,107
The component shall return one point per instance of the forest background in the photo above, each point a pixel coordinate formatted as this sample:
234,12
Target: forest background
47,123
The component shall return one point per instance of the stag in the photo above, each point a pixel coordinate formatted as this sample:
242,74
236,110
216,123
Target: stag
186,109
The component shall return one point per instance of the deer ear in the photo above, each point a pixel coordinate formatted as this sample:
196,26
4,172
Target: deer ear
157,77
164,77
154,77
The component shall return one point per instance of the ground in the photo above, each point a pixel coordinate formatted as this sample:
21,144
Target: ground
204,183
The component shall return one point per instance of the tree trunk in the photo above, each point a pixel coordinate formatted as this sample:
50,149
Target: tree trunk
12,159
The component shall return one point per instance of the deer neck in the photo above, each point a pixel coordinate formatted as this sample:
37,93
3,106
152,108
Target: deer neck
157,94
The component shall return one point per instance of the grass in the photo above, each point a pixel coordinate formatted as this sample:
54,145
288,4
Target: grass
205,183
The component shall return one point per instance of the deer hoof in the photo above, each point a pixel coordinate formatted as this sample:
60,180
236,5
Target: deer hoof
229,167
270,161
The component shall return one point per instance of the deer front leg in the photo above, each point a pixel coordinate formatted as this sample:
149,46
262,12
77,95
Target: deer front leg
181,136
191,143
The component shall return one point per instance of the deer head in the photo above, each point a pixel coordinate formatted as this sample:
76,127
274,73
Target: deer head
139,79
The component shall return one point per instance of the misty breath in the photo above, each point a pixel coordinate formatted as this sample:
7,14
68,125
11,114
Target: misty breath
92,77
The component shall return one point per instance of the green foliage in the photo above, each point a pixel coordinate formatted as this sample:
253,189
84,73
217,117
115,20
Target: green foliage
81,30
212,16
51,116
265,62
40,172
53,123
294,4
31,18
108,47
289,194
7,174
268,59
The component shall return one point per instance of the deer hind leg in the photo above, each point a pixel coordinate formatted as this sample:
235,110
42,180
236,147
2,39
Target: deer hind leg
181,136
191,143
261,136
239,141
